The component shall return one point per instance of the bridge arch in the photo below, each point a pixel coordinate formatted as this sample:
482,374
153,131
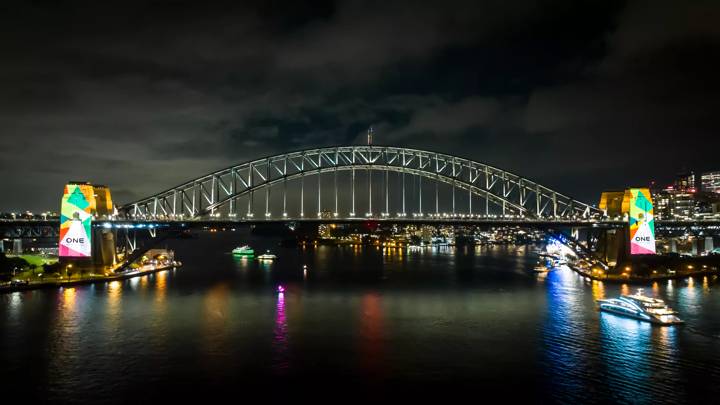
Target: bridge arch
508,193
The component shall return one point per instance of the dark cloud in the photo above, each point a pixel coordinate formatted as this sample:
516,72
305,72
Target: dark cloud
143,95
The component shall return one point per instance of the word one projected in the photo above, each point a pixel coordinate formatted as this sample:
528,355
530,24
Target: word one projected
76,221
642,222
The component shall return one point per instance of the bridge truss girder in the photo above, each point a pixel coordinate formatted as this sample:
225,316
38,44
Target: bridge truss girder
204,196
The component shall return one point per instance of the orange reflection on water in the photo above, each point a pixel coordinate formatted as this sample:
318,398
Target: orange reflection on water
114,297
371,334
63,355
598,290
160,286
215,325
68,300
656,288
624,289
144,283
690,290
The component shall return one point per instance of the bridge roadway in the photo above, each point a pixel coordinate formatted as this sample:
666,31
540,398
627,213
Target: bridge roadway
426,220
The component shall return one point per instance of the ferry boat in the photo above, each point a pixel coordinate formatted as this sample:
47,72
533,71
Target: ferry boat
641,307
267,256
243,251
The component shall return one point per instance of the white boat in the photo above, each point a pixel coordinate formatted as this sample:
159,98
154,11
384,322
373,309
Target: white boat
641,307
267,256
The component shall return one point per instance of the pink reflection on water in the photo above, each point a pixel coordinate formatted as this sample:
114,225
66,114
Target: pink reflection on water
280,336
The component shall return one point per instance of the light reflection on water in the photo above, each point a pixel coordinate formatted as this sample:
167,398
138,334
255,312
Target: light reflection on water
114,297
435,316
14,307
608,358
371,335
65,341
598,290
281,362
565,355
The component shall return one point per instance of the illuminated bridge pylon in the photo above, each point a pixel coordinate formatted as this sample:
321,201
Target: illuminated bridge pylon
359,182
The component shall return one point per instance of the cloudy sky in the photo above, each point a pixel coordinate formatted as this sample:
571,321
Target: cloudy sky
579,95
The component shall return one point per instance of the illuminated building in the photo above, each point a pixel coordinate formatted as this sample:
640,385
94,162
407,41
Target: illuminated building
710,182
685,181
674,204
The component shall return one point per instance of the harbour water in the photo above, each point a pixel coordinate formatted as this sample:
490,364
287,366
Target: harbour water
364,320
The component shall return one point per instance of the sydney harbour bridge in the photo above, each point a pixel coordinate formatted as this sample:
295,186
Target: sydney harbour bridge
361,182
346,184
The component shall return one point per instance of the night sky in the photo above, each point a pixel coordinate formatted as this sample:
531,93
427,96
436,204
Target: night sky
579,95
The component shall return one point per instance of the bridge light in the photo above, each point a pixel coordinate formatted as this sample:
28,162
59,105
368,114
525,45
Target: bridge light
335,214
352,214
267,215
284,214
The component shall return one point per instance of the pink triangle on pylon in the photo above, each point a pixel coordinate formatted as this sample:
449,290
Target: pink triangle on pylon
72,253
639,250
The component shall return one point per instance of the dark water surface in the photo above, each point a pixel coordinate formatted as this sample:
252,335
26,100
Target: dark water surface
365,322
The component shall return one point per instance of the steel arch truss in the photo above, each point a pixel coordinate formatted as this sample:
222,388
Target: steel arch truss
205,195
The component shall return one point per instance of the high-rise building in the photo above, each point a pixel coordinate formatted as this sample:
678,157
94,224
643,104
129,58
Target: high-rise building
671,203
710,182
685,181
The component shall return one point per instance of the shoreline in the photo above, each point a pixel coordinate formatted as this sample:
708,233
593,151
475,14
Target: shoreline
645,280
71,283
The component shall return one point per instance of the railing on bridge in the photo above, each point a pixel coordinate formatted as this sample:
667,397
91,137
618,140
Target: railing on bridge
359,182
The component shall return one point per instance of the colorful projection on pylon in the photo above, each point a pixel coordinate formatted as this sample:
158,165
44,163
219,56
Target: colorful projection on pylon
76,209
642,222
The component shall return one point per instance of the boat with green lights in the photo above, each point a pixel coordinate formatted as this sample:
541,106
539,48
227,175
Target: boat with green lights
244,250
